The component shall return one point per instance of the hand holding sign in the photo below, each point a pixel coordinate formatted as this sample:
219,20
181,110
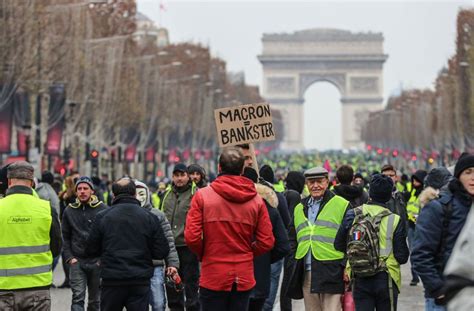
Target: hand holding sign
244,124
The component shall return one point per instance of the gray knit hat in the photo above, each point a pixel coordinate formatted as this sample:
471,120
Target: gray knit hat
21,170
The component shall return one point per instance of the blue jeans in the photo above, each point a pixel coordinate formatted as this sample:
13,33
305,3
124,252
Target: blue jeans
274,282
157,286
431,306
411,236
84,275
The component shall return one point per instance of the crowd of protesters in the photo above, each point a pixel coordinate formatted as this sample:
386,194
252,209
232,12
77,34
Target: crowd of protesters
222,244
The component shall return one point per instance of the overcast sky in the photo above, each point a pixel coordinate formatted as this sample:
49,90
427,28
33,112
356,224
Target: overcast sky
419,38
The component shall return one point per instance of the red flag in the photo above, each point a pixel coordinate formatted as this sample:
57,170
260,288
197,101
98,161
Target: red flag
162,7
327,166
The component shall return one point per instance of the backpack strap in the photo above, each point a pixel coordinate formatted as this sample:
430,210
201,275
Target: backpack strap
358,212
448,212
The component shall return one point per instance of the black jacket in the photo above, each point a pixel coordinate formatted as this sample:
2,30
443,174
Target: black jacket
354,194
127,238
293,198
326,276
429,256
76,225
400,247
397,206
283,209
262,263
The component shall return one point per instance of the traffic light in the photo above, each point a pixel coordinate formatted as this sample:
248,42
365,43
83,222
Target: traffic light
94,157
94,154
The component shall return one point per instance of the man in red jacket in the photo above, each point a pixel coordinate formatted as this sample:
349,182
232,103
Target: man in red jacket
227,226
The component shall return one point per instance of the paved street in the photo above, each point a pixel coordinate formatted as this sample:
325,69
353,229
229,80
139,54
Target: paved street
411,298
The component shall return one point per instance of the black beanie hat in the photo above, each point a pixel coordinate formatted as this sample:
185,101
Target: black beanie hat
266,172
465,161
295,181
84,180
47,177
420,176
196,168
251,174
380,189
437,177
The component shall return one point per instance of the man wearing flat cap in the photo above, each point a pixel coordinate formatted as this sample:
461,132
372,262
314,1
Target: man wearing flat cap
175,204
30,238
319,272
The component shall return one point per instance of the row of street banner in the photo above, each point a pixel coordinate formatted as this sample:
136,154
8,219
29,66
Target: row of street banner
235,125
15,112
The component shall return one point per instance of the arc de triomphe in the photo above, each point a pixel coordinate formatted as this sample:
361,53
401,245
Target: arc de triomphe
353,62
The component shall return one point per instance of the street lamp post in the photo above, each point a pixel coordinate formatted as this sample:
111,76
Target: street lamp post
27,133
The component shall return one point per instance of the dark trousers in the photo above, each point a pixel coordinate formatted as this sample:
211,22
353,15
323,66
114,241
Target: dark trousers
411,236
372,293
134,298
65,269
256,304
37,300
189,272
285,302
84,275
224,301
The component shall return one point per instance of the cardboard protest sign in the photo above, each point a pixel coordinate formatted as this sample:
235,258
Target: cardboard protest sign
244,124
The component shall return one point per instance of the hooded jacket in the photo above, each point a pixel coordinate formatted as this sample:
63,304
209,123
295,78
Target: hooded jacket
429,257
46,192
172,260
227,226
294,187
354,194
76,226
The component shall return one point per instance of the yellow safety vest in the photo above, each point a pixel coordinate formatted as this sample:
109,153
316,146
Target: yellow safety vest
320,236
106,197
386,231
413,207
155,200
400,187
25,256
279,187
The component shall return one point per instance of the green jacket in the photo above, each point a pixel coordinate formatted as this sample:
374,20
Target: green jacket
175,204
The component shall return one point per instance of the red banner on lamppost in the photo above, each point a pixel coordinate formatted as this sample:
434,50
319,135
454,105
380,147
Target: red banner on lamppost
56,120
6,118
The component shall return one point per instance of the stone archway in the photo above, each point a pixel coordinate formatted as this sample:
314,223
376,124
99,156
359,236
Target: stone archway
353,62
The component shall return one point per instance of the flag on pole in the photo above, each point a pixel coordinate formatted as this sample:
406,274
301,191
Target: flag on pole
327,166
162,6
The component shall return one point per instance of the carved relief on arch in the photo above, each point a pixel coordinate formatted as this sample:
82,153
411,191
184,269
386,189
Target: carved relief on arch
337,79
280,85
364,84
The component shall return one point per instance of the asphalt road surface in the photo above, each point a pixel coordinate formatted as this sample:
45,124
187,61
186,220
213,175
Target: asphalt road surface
410,298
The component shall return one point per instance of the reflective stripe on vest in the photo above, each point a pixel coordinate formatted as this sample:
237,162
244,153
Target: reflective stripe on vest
384,252
25,256
413,206
23,250
319,237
